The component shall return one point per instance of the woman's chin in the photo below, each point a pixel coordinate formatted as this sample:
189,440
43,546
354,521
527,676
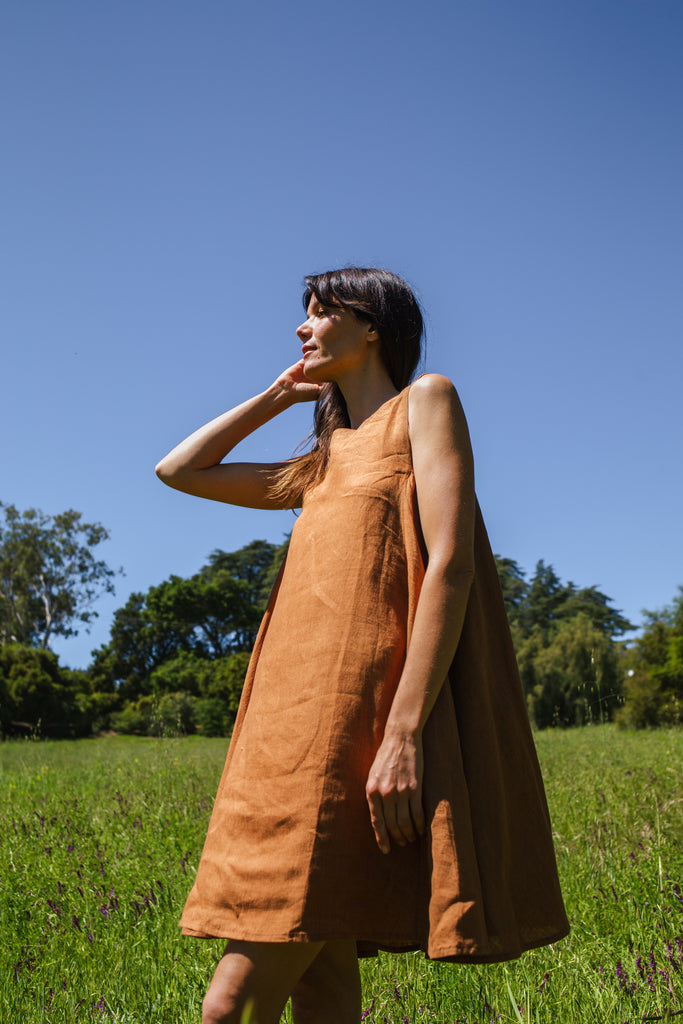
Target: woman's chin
316,374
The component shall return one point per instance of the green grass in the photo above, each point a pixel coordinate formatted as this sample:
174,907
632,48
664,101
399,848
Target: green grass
99,840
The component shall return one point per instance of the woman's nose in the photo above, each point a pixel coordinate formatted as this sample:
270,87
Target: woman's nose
304,330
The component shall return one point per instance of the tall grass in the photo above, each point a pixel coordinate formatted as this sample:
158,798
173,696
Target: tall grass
99,840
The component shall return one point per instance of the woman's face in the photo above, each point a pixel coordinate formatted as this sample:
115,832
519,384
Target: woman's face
334,341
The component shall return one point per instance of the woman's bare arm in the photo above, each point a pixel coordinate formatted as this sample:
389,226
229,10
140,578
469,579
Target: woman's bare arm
444,479
195,465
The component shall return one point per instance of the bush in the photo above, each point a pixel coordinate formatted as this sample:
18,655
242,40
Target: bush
172,714
654,679
211,717
130,719
40,698
573,679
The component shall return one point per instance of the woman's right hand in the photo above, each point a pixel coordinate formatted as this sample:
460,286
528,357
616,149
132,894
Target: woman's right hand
196,464
296,385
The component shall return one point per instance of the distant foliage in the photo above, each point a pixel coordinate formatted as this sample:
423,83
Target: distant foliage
37,697
566,643
654,670
178,654
49,577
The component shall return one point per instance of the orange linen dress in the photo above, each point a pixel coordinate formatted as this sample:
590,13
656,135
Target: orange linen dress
290,854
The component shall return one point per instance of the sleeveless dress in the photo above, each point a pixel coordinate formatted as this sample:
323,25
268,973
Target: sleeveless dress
290,854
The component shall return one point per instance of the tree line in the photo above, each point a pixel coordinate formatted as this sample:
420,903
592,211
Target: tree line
177,654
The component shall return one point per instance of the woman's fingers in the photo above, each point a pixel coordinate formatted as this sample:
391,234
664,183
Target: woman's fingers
377,820
395,816
394,793
296,383
404,821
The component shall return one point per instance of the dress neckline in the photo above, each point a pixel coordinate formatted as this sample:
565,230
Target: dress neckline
384,405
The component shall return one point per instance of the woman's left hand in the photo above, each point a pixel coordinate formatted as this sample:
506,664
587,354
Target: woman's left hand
394,791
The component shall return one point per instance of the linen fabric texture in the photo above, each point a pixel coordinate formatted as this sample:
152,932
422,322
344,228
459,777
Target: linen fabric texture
290,854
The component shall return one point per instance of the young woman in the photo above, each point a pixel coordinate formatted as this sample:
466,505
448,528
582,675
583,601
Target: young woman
381,789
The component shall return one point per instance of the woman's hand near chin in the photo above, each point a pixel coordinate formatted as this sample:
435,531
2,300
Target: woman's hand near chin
196,464
296,385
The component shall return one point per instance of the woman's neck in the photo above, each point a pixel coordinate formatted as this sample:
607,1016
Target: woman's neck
365,393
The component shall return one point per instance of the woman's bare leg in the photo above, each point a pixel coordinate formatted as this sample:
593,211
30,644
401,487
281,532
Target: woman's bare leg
265,972
329,991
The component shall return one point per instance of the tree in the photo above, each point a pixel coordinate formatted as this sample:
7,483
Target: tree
589,601
49,577
543,600
210,616
543,604
654,681
573,679
256,564
514,586
38,696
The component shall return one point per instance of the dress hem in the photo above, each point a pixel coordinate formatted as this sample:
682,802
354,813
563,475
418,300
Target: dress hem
462,952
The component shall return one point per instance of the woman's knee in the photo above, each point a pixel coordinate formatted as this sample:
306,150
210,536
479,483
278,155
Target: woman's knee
222,1007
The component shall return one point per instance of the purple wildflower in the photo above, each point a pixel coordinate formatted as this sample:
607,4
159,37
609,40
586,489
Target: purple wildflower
622,978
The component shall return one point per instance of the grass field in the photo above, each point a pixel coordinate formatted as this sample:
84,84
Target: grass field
99,840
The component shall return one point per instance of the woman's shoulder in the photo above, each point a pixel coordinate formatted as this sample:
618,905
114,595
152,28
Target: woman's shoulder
433,391
434,405
432,385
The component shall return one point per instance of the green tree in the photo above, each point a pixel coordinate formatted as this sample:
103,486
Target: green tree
544,598
216,610
514,587
38,696
49,577
210,616
573,679
256,564
543,603
140,640
564,639
654,681
589,601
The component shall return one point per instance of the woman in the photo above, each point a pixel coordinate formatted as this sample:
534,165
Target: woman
381,789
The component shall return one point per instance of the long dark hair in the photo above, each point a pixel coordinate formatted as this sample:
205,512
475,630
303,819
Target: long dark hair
384,300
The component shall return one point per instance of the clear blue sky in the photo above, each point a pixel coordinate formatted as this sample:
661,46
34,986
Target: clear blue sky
170,171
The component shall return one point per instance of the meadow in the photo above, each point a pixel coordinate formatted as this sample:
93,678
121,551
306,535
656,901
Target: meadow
99,840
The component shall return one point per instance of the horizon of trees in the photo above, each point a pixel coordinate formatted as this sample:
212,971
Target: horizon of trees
177,654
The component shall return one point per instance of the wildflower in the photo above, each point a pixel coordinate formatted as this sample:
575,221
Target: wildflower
544,981
622,978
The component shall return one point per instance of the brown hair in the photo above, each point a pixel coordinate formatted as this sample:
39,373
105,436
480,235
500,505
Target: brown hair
377,297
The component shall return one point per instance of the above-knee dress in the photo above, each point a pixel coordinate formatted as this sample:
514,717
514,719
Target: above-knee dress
290,855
